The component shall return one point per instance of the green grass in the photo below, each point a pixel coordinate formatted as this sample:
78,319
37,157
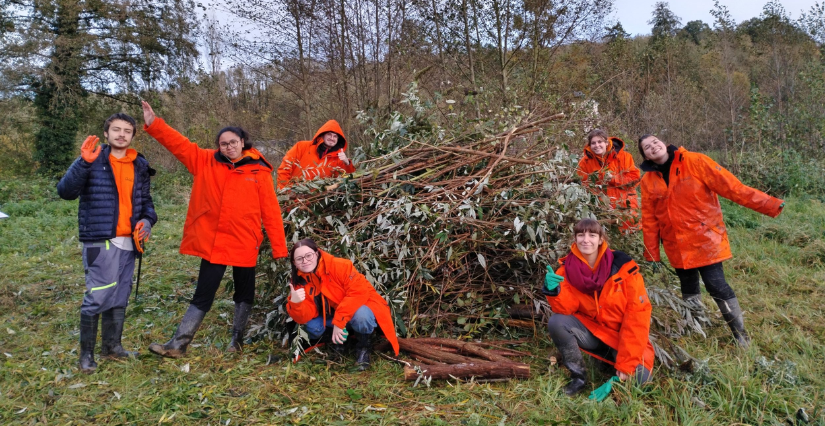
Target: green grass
777,272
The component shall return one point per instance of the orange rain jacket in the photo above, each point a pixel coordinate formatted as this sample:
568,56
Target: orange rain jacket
621,188
227,203
685,215
302,161
336,285
618,315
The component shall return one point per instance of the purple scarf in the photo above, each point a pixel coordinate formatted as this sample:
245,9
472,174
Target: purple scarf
580,276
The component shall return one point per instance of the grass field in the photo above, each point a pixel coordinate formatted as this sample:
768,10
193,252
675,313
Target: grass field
777,271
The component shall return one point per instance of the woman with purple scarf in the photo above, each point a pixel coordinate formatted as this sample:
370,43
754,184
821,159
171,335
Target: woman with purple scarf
600,307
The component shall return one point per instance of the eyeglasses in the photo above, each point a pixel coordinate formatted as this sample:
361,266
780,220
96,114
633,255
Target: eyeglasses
233,143
309,257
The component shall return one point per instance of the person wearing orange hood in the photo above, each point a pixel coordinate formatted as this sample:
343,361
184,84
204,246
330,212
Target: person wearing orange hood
680,209
322,157
231,195
600,306
606,163
327,291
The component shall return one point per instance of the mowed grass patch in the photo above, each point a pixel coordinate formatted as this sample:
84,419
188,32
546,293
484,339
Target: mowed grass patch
41,287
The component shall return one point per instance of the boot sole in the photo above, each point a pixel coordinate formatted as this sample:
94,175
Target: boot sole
166,353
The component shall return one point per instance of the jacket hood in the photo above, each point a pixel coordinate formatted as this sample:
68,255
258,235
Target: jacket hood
331,126
649,166
248,156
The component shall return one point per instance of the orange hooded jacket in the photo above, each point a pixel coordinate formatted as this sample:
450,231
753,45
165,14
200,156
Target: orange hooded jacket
621,187
302,160
336,285
618,315
227,203
685,214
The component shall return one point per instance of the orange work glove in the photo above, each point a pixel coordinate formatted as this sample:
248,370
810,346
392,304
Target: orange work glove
88,151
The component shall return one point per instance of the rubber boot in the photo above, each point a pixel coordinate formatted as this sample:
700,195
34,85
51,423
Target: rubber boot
336,353
363,347
176,347
242,311
573,361
732,314
88,336
111,323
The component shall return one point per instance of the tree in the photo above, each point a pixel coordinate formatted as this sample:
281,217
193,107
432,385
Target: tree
665,22
60,51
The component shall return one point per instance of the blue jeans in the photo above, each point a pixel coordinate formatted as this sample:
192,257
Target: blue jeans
362,322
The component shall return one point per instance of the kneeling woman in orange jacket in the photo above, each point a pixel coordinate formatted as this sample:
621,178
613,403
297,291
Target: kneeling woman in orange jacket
327,291
322,157
231,195
600,306
680,209
607,163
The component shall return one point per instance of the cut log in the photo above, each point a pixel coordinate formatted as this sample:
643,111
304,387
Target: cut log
479,370
519,323
523,311
466,348
429,352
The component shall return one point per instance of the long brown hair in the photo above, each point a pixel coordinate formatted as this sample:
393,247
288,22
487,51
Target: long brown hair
306,242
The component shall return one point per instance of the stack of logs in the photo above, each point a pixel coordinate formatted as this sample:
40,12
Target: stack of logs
454,359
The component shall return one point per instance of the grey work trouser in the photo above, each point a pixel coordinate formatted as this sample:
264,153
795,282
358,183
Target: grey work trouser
109,273
568,330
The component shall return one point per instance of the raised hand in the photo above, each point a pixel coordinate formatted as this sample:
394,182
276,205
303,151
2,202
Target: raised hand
296,296
148,113
343,157
88,151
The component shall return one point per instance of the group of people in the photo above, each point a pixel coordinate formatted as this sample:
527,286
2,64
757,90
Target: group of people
597,295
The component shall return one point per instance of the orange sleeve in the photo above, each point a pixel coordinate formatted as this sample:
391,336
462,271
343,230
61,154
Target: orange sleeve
289,162
635,331
650,223
724,183
271,214
565,302
357,291
190,154
583,170
302,312
628,175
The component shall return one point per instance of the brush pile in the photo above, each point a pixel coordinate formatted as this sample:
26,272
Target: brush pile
452,228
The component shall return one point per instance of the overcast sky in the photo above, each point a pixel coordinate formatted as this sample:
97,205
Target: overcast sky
634,14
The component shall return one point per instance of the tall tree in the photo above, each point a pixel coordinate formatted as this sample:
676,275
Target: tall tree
60,51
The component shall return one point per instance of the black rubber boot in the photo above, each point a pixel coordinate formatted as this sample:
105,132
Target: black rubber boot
572,360
363,347
242,311
176,347
88,337
111,323
732,314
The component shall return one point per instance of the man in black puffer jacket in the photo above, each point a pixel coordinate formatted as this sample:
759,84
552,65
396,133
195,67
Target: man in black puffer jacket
112,182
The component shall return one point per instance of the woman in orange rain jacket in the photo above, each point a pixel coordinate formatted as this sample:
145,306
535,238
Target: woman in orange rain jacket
600,306
322,157
232,194
326,291
606,163
680,208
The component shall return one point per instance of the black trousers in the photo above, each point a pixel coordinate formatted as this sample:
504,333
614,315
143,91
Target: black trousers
209,279
713,277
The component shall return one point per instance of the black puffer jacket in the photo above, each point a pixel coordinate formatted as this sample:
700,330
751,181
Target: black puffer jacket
99,208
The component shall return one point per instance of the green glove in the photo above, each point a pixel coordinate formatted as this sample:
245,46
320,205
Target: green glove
603,391
657,267
552,280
